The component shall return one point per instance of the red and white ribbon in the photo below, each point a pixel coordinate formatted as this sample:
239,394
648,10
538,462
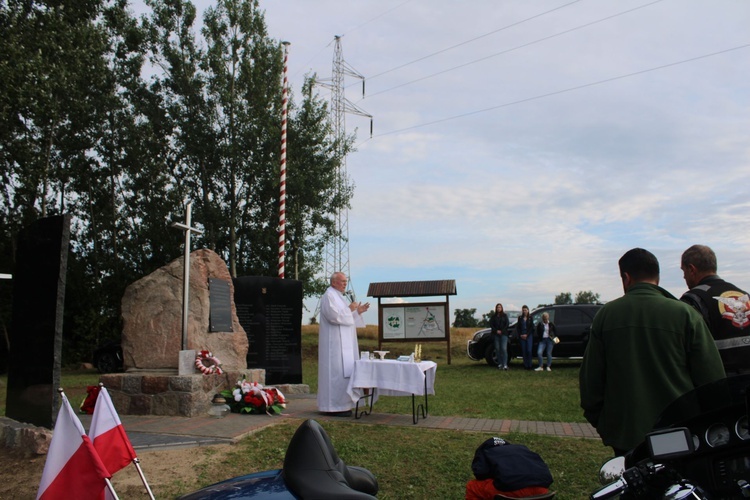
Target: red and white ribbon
207,364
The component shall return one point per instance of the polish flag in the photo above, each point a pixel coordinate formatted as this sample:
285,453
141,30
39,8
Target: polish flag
73,469
108,435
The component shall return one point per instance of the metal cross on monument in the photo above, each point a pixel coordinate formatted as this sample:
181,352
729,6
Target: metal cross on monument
186,273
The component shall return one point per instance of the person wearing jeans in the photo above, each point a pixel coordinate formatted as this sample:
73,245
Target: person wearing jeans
525,334
546,333
499,331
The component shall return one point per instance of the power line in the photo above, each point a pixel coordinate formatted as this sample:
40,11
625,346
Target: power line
475,39
517,23
377,17
507,50
349,31
563,91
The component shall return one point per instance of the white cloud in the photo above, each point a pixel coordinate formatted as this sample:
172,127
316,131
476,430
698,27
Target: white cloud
525,174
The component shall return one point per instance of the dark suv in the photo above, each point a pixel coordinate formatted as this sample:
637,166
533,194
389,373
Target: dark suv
573,324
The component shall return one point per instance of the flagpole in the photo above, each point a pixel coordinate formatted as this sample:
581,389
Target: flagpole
106,480
111,489
282,181
105,419
137,462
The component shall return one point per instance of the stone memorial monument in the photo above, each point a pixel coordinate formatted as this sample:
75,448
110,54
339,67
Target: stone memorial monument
36,327
270,311
151,313
6,299
152,340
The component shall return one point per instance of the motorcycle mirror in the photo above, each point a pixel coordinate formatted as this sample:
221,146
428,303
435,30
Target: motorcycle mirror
612,470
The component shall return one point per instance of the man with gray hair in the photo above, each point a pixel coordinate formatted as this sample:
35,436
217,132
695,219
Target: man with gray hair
725,307
337,347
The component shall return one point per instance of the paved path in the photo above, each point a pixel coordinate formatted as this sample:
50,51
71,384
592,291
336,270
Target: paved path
153,432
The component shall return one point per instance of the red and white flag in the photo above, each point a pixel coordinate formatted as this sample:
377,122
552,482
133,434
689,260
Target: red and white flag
108,435
73,469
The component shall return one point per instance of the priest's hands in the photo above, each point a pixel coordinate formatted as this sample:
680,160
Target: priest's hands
359,307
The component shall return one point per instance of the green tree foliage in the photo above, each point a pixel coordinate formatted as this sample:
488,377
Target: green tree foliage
60,94
485,321
465,318
563,298
587,297
228,96
312,166
119,121
242,73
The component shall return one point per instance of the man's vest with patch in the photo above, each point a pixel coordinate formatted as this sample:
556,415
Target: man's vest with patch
726,310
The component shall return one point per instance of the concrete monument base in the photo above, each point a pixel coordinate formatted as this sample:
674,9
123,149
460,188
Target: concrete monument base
186,363
160,393
287,389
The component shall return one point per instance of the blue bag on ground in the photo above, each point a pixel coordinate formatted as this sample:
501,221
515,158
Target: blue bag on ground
511,466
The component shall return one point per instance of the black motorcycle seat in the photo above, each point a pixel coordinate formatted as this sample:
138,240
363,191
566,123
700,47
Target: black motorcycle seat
313,470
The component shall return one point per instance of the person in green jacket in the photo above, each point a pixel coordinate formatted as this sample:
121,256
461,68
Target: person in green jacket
645,350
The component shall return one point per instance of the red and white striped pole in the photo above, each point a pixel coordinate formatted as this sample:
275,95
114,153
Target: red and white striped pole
282,183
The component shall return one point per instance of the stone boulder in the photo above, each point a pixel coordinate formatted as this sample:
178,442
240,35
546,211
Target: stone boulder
26,438
152,317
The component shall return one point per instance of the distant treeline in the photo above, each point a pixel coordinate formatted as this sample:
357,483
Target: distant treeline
464,318
119,121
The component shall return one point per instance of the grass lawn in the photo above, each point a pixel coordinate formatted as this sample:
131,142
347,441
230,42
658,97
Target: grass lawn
472,388
413,462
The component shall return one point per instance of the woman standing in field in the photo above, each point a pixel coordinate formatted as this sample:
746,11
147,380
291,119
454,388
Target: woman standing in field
525,332
499,326
546,332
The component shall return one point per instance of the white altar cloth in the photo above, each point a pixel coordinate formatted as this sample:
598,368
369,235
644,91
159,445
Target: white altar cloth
393,378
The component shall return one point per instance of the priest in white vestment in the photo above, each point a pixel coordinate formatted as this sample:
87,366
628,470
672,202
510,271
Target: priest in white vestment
337,347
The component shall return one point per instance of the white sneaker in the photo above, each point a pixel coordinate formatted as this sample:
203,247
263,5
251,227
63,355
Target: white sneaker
549,369
538,369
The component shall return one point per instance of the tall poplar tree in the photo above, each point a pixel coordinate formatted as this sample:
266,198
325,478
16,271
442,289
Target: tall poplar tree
226,102
119,121
243,67
57,86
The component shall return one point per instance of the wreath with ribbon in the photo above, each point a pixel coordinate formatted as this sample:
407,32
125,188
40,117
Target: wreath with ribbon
252,397
207,363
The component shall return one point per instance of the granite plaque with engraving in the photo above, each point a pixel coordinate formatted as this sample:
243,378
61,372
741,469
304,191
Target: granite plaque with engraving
270,311
220,305
36,327
6,303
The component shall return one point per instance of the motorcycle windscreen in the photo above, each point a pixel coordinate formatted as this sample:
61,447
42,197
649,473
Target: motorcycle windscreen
714,397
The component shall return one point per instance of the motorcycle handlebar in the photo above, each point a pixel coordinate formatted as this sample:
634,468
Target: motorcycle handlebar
611,490
633,479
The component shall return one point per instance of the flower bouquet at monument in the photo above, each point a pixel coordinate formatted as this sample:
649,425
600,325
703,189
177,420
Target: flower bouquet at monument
252,397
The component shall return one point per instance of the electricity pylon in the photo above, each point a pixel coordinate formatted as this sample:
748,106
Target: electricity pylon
337,246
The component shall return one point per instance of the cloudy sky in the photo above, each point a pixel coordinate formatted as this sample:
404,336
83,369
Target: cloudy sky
521,147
